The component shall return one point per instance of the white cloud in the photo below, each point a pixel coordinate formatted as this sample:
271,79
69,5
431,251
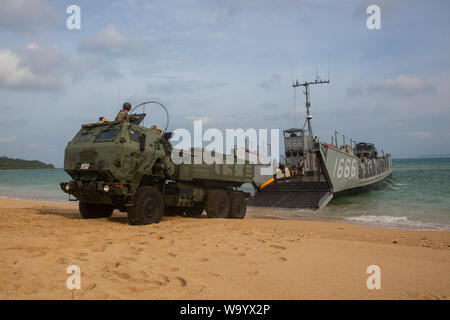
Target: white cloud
95,66
26,16
33,68
403,86
109,41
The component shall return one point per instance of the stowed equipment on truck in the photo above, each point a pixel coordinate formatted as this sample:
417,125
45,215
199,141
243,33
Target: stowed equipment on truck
126,166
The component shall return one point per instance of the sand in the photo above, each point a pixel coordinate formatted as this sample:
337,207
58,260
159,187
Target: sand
188,258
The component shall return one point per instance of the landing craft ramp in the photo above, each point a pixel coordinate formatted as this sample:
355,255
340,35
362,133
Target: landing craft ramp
294,192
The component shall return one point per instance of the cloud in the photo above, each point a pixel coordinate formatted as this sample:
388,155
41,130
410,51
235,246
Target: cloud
268,83
32,146
270,105
26,16
6,140
403,86
33,68
109,41
94,66
183,86
355,90
205,120
419,134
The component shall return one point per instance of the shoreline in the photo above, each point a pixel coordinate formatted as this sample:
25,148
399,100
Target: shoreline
201,258
251,215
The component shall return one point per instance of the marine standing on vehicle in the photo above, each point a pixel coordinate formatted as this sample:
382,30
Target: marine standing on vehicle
123,114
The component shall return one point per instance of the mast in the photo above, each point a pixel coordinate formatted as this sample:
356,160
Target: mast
308,113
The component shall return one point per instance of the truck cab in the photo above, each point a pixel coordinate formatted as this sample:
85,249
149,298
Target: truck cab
367,150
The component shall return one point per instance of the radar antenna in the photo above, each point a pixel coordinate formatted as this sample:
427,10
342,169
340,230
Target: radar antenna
306,84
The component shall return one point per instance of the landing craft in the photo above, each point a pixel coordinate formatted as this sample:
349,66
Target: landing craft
313,172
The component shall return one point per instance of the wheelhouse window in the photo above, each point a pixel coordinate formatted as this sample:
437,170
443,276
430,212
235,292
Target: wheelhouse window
107,135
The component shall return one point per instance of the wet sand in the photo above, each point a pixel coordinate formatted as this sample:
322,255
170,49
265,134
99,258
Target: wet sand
188,258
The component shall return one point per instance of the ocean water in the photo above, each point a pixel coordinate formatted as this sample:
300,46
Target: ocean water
36,185
416,197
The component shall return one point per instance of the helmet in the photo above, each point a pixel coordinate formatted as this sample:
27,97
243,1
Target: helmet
126,106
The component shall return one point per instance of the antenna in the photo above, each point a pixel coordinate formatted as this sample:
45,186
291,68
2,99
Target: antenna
328,72
306,84
295,93
118,97
299,73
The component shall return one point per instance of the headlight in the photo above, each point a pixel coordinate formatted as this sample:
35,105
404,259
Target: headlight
106,188
67,187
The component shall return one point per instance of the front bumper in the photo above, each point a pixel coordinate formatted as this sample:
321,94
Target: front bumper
96,191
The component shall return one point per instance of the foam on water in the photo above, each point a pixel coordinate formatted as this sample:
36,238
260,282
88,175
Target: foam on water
397,222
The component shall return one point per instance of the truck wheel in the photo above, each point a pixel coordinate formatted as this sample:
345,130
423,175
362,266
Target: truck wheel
148,206
238,205
218,204
173,211
195,211
95,210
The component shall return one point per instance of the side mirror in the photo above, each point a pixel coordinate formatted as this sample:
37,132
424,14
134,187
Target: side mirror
142,143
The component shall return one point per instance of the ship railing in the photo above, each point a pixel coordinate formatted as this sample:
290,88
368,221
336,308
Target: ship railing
343,147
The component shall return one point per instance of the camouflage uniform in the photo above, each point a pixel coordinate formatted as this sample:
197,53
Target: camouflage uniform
122,116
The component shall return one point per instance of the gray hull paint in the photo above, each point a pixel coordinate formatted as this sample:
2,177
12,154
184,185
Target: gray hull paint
344,171
340,173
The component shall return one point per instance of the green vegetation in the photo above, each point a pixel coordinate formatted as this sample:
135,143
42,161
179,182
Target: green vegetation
13,164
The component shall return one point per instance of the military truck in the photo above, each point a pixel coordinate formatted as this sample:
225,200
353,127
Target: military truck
367,150
127,166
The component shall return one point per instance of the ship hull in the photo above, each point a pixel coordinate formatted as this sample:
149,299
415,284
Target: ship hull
337,173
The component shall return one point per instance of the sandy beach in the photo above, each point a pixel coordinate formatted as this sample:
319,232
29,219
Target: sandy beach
187,258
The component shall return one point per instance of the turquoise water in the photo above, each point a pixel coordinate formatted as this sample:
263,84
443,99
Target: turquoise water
38,185
417,196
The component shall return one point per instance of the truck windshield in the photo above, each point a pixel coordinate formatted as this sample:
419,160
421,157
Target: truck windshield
135,135
364,147
107,135
85,137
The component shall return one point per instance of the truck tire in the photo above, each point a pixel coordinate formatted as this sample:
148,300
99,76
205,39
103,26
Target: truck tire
218,204
148,206
95,210
195,211
238,206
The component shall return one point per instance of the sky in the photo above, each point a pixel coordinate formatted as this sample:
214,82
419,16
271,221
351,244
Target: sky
229,63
